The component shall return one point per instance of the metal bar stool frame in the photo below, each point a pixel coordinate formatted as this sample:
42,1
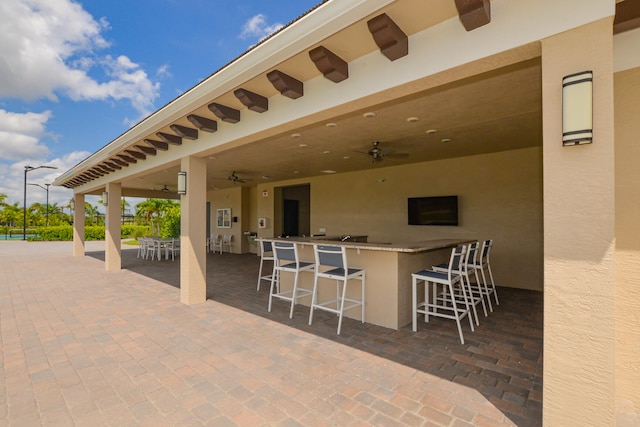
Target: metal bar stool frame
439,301
331,263
474,289
286,260
266,254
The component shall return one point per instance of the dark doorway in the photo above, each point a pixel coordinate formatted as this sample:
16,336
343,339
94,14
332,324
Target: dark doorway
292,210
291,217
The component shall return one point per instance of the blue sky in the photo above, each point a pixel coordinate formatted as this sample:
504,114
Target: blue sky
74,75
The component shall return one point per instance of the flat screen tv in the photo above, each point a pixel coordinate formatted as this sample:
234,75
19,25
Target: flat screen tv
440,210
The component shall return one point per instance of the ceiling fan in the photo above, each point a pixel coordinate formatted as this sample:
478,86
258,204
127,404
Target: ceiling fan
377,154
236,179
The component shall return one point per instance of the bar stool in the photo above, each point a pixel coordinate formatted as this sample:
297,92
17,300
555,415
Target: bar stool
266,254
446,299
475,292
286,260
331,263
481,262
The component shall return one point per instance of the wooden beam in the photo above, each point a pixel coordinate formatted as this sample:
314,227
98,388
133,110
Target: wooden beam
119,161
474,13
96,172
391,40
168,138
113,165
106,168
627,16
158,145
136,154
126,158
185,132
203,123
146,150
252,100
287,85
329,64
224,113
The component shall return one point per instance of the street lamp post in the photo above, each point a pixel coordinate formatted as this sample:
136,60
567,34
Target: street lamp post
28,169
47,190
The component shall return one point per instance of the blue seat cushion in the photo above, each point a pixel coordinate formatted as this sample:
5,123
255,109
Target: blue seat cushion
340,271
294,266
436,275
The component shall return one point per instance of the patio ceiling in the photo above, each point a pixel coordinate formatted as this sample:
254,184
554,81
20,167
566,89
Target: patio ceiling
492,111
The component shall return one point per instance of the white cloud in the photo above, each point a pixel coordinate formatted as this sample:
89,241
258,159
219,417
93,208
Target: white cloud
49,47
20,135
257,26
13,182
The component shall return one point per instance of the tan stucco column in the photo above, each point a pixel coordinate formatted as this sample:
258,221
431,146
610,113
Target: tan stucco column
113,255
78,225
578,191
627,111
193,255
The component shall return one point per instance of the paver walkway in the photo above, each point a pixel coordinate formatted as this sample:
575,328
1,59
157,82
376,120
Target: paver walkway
82,346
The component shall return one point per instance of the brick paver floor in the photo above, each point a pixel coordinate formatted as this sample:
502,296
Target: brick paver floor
82,346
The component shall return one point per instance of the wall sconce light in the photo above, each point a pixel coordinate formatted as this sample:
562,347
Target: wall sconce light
577,108
105,198
182,182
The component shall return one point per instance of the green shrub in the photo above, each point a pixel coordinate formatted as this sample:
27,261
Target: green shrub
171,222
55,233
134,231
91,232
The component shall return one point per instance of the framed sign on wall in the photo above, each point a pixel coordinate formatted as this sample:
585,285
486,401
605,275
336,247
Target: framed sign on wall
223,217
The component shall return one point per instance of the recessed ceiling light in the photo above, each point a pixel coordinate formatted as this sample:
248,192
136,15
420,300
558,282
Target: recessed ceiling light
328,171
303,145
369,115
295,135
296,171
346,157
212,157
445,140
326,152
412,119
431,131
265,177
331,125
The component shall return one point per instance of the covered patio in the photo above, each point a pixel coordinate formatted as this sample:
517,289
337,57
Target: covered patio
501,360
472,104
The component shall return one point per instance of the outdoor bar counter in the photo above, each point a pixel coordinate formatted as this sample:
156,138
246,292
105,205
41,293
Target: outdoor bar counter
388,269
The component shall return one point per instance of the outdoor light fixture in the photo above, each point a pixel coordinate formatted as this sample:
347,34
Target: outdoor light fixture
182,182
28,169
105,198
577,108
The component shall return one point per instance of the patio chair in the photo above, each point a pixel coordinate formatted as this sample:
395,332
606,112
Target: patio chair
215,243
331,263
444,303
226,242
475,292
171,248
480,264
142,248
286,260
266,254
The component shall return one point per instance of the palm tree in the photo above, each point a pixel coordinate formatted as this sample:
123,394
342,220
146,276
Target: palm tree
151,212
91,214
10,214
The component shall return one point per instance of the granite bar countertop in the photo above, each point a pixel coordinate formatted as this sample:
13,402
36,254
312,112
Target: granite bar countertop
406,247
